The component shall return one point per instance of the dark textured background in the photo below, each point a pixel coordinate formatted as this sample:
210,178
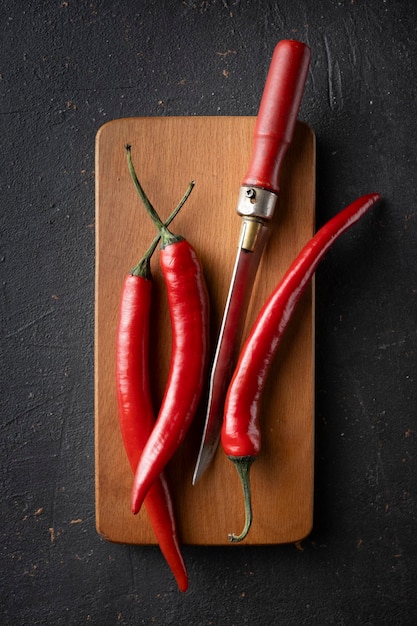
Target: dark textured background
65,69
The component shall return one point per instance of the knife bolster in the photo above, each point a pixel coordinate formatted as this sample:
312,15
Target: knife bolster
253,231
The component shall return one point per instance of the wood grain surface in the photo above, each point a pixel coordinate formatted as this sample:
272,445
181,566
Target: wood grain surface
213,151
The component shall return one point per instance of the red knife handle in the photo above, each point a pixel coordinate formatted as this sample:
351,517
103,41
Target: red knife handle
278,112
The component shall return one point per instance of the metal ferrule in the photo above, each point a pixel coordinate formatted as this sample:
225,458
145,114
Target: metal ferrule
256,202
252,232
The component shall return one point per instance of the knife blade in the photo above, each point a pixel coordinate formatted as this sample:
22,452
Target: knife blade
257,200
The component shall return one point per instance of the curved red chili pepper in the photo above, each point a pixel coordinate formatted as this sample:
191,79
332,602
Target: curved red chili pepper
136,415
241,435
189,313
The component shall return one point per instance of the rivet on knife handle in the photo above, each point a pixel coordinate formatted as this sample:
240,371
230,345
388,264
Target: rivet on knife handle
274,130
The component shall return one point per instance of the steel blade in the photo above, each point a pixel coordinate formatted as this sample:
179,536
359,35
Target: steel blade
244,273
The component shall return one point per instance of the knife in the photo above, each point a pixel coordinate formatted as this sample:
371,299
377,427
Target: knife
257,200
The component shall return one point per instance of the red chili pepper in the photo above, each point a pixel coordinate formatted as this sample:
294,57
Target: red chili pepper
189,313
241,435
136,416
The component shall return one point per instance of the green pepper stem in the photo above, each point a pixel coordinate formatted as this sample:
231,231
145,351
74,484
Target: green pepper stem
165,235
243,465
143,268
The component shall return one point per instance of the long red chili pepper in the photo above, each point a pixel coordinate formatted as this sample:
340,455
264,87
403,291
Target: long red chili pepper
136,416
241,435
189,313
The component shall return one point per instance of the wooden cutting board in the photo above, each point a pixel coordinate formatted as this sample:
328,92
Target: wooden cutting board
213,151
